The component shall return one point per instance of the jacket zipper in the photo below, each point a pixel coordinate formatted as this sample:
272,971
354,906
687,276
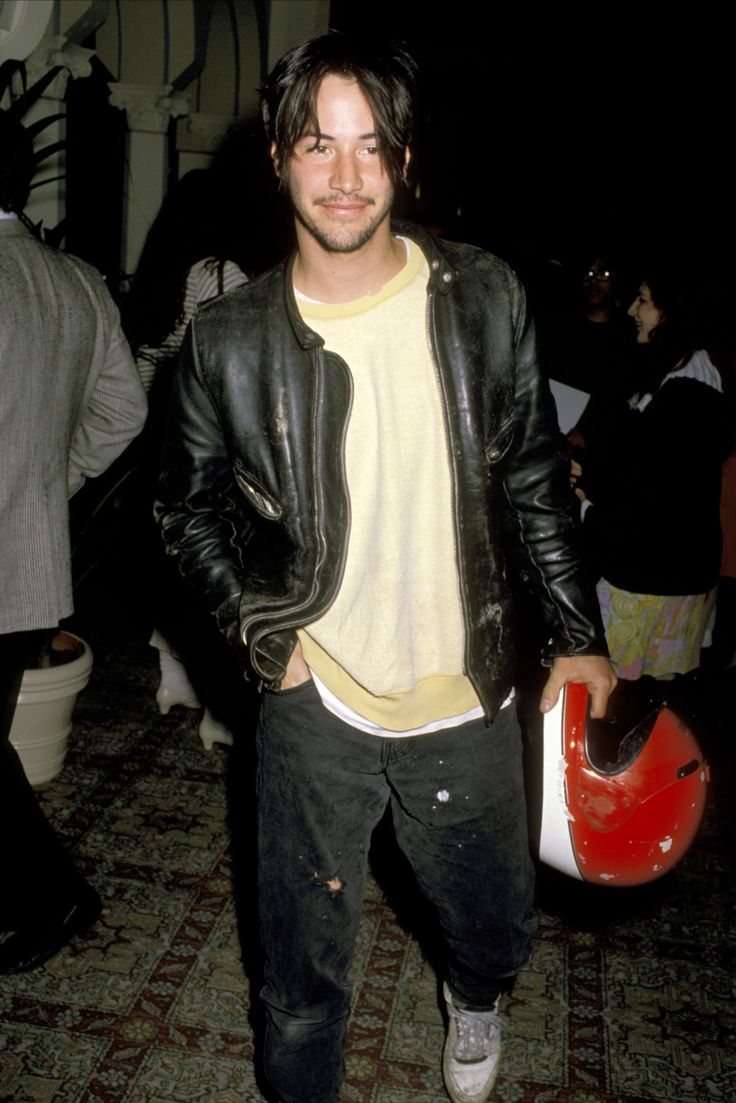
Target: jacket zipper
431,345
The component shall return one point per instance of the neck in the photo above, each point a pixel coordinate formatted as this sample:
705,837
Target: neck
598,314
332,277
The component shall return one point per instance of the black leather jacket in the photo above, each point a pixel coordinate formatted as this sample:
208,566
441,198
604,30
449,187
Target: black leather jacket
253,498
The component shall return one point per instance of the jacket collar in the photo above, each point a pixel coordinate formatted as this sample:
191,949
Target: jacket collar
442,276
13,227
306,337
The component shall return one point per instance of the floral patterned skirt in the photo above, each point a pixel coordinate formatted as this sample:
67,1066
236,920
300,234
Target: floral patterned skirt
651,633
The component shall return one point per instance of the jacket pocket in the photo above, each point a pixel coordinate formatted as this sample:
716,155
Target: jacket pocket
500,443
259,498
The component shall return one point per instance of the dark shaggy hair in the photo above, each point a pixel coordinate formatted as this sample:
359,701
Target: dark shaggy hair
386,73
684,295
16,164
679,333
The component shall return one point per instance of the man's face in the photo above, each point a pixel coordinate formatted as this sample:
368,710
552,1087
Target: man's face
597,283
340,190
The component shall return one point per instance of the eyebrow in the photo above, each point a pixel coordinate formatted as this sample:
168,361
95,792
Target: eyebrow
331,137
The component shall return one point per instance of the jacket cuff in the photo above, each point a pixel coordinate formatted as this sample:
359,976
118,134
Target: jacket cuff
566,649
270,657
228,621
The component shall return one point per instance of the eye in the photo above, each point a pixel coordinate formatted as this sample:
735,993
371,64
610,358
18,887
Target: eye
313,149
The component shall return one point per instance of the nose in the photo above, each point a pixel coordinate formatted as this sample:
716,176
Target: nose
632,310
345,175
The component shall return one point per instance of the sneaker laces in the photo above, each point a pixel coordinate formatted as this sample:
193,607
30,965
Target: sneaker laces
474,1031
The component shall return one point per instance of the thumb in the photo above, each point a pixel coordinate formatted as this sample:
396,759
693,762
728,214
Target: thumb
551,691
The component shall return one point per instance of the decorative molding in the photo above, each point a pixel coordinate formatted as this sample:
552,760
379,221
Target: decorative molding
54,50
149,108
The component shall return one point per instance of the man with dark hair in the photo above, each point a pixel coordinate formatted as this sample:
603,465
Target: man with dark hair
387,78
71,400
361,454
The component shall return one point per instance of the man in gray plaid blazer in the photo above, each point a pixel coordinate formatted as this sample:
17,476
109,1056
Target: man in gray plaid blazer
70,401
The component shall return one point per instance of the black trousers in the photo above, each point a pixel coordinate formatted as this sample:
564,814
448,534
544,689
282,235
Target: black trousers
457,801
35,870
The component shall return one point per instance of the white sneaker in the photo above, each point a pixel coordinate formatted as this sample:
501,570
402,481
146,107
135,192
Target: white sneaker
472,1052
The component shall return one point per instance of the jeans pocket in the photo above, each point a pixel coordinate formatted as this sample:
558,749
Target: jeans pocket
292,691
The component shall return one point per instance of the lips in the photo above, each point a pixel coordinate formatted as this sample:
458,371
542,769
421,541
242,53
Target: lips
336,204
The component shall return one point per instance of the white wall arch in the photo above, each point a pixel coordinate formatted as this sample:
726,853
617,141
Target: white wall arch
23,24
197,61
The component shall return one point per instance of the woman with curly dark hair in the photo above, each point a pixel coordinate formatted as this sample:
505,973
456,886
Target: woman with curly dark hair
649,487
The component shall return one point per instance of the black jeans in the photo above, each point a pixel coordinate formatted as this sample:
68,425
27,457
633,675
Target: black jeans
458,808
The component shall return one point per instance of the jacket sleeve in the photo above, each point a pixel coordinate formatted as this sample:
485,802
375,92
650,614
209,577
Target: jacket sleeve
544,510
197,506
113,407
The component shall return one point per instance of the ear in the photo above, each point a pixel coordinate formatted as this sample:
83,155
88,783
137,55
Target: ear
407,159
275,159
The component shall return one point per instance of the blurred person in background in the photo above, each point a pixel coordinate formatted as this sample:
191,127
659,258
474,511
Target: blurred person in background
649,486
71,401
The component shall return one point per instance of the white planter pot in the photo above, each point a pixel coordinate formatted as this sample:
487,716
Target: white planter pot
43,716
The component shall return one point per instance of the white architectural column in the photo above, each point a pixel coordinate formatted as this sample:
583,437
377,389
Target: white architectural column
149,110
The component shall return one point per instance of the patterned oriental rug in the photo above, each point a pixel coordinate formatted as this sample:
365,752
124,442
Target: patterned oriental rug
629,995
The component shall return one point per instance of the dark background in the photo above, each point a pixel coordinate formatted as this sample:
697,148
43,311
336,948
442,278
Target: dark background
553,129
552,134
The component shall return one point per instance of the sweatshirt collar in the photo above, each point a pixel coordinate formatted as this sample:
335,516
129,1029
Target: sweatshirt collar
442,276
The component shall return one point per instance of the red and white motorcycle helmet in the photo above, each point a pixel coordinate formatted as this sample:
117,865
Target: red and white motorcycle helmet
621,804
